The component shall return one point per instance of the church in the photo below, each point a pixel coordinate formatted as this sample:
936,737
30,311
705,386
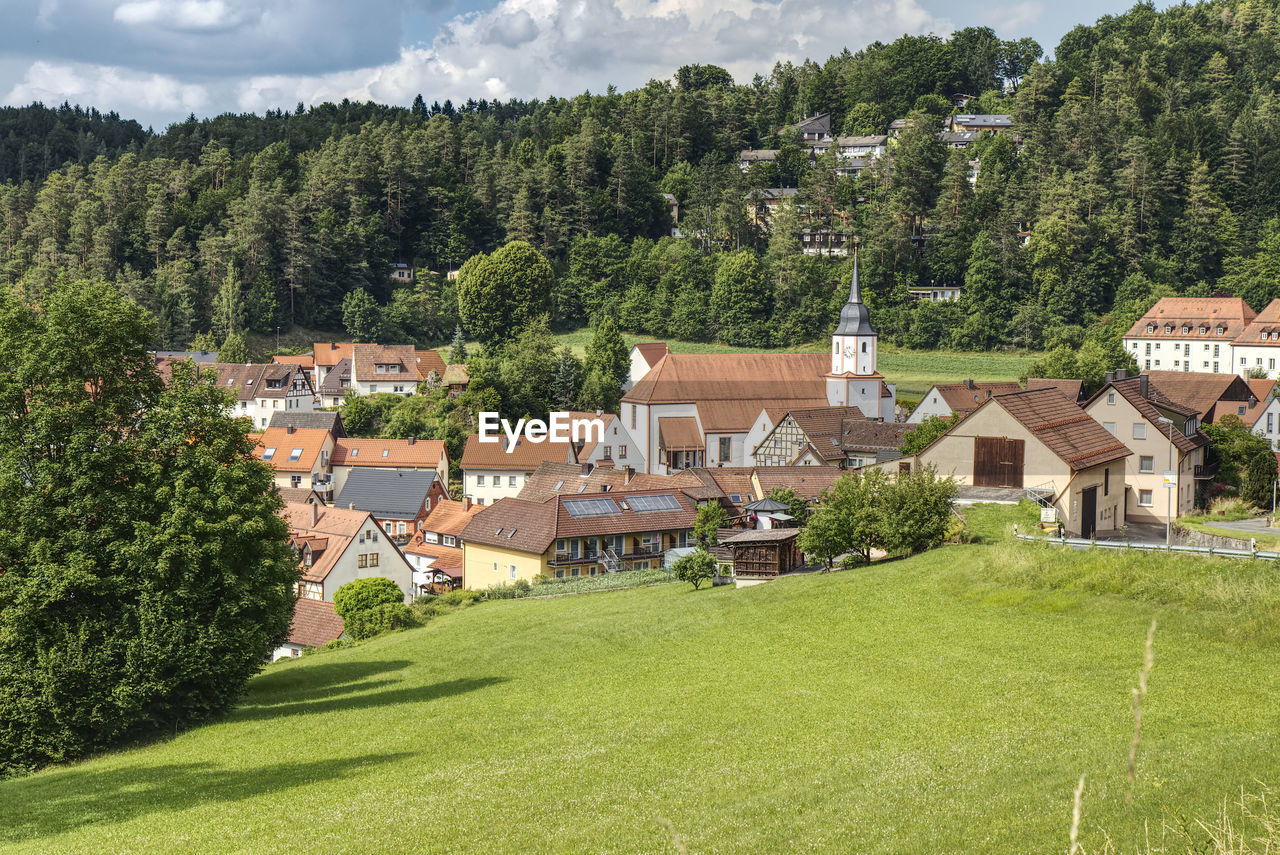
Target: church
713,409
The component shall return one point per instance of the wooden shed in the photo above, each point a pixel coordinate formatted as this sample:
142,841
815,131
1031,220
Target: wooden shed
764,553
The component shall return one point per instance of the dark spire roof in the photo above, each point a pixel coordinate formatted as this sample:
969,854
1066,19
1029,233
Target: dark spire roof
854,319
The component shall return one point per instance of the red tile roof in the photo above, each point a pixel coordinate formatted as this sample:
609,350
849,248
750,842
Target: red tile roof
389,453
1231,314
967,396
679,433
428,361
1264,329
330,353
365,359
449,517
310,442
525,456
652,351
336,527
1203,392
1070,388
315,623
306,360
1064,428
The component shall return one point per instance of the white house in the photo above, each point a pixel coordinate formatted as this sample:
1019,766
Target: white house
946,399
644,356
394,368
1191,334
337,546
259,390
615,448
490,473
1257,348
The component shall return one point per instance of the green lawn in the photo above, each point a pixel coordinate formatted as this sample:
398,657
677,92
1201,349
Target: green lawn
947,702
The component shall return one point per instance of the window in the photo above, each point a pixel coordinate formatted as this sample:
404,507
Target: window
296,454
373,559
513,571
1270,420
511,480
268,454
1139,430
479,480
1240,410
724,448
448,540
1110,427
1111,397
622,452
633,416
1106,481
573,572
402,527
1144,498
559,574
1215,351
608,452
295,481
373,388
1146,463
362,560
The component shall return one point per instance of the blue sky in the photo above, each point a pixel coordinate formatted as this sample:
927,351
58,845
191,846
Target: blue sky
158,60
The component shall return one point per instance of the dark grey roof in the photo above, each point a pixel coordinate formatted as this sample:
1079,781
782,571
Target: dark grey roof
332,385
767,505
854,318
386,493
317,420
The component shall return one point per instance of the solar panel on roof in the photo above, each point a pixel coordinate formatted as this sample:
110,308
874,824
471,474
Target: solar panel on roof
591,507
646,504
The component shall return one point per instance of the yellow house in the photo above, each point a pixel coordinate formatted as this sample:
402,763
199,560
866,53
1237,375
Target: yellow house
1037,440
576,535
1132,409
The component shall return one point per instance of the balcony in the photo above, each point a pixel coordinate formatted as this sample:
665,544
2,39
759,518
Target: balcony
322,485
1206,472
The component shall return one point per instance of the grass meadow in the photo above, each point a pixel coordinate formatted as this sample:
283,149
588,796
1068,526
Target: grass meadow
947,702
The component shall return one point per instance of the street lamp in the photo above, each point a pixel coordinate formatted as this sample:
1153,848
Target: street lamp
1169,486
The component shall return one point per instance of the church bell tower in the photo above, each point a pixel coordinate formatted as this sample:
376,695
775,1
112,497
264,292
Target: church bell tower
853,380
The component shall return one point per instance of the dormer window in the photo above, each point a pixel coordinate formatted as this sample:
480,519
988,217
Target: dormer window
1203,329
268,454
1151,328
1168,328
1221,331
295,455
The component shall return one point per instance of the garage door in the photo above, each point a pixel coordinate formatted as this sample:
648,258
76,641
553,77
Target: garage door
997,461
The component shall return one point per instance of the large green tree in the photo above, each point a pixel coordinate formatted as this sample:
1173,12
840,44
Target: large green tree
146,574
504,291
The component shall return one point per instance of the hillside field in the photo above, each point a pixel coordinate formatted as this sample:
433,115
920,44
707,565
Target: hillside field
944,703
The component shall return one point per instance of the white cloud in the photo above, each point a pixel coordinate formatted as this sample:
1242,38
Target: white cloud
519,48
127,92
180,15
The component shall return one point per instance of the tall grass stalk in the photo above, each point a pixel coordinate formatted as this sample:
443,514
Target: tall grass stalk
1139,697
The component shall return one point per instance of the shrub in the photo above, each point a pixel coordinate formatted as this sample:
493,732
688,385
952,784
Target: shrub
423,612
424,599
500,592
459,597
521,587
336,644
384,617
364,594
695,568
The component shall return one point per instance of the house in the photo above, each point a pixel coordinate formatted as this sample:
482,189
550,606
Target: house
315,624
491,472
327,354
377,368
338,545
762,554
336,384
401,454
1073,389
398,499
896,127
816,128
693,410
435,551
644,356
866,442
301,496
751,156
825,242
872,146
947,399
260,390
1039,440
456,379
580,535
959,139
446,521
305,361
300,457
936,293
1210,395
1190,334
1257,347
615,448
1163,435
813,434
430,366
988,122
401,273
761,204
313,420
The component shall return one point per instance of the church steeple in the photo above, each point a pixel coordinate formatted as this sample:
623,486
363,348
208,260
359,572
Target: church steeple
854,318
854,381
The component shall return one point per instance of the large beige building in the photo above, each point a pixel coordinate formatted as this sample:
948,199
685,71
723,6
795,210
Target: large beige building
1037,440
1131,409
1190,334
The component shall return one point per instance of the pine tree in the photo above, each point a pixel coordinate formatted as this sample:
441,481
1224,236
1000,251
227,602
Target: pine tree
458,347
565,387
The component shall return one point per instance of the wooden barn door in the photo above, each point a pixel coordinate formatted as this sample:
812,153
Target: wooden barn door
997,461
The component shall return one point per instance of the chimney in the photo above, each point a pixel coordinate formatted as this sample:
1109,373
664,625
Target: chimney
351,506
1122,373
1110,377
586,469
289,429
315,514
969,384
1144,386
628,473
411,440
466,503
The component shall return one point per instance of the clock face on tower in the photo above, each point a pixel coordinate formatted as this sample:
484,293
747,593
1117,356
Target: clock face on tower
849,351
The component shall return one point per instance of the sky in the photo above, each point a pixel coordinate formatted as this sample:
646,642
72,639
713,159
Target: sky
159,60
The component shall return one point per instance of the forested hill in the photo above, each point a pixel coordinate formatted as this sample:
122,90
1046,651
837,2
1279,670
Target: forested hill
1144,161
